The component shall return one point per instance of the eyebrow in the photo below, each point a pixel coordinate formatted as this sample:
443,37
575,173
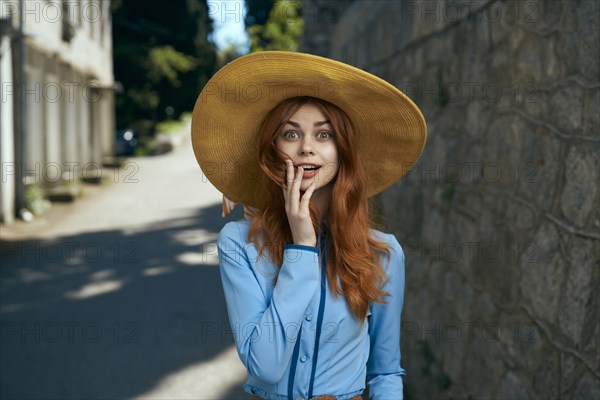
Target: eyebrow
318,123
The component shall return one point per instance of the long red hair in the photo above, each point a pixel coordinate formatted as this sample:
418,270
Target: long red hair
353,255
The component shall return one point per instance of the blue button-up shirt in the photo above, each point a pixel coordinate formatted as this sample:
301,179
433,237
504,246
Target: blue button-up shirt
296,339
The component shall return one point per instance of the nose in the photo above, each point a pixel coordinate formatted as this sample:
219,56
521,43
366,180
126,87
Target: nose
306,146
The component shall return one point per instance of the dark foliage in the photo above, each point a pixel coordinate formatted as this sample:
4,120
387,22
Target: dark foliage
162,56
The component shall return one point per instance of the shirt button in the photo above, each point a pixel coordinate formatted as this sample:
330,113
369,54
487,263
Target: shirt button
303,358
308,317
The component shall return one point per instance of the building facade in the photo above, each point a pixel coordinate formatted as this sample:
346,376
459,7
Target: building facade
57,110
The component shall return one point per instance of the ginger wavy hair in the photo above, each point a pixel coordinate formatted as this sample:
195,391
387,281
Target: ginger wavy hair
353,255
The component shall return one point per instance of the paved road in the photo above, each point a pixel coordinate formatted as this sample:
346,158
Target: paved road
118,295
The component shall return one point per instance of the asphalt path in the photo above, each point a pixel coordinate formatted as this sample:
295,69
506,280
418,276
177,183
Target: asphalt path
118,295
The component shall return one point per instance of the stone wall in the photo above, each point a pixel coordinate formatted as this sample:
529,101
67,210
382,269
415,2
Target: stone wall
320,19
499,219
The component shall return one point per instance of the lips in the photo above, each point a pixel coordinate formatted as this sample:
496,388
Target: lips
309,167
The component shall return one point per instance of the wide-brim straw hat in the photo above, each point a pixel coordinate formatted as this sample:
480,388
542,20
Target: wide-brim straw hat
389,128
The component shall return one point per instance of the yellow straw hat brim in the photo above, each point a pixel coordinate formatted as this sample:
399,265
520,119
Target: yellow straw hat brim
390,129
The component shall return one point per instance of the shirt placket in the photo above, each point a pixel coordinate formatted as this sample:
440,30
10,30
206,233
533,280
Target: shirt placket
303,364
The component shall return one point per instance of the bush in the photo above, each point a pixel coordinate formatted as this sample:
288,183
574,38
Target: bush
35,200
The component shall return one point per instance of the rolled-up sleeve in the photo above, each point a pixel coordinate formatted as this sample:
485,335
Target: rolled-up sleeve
384,373
265,330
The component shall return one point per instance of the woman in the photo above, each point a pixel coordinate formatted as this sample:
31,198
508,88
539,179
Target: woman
314,293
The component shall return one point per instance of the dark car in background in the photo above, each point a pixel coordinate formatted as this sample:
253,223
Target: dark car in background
125,143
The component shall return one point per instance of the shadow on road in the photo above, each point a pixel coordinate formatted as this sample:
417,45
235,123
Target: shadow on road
111,314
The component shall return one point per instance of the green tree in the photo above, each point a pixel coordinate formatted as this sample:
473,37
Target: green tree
257,11
283,29
162,56
227,55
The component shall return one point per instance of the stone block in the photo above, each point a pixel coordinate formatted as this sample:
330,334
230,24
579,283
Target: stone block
523,218
577,295
403,204
528,60
568,51
580,39
482,34
538,169
549,15
435,276
515,37
591,114
531,98
512,388
479,115
422,302
588,36
460,293
551,64
571,370
498,26
468,203
581,184
494,269
543,275
458,154
546,380
433,226
454,353
566,109
502,150
484,307
484,368
588,388
522,341
491,207
461,242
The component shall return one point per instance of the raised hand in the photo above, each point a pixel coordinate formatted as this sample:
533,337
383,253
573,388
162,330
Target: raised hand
297,209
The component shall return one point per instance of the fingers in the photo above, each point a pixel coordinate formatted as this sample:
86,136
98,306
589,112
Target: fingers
306,198
297,209
292,189
294,194
288,178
